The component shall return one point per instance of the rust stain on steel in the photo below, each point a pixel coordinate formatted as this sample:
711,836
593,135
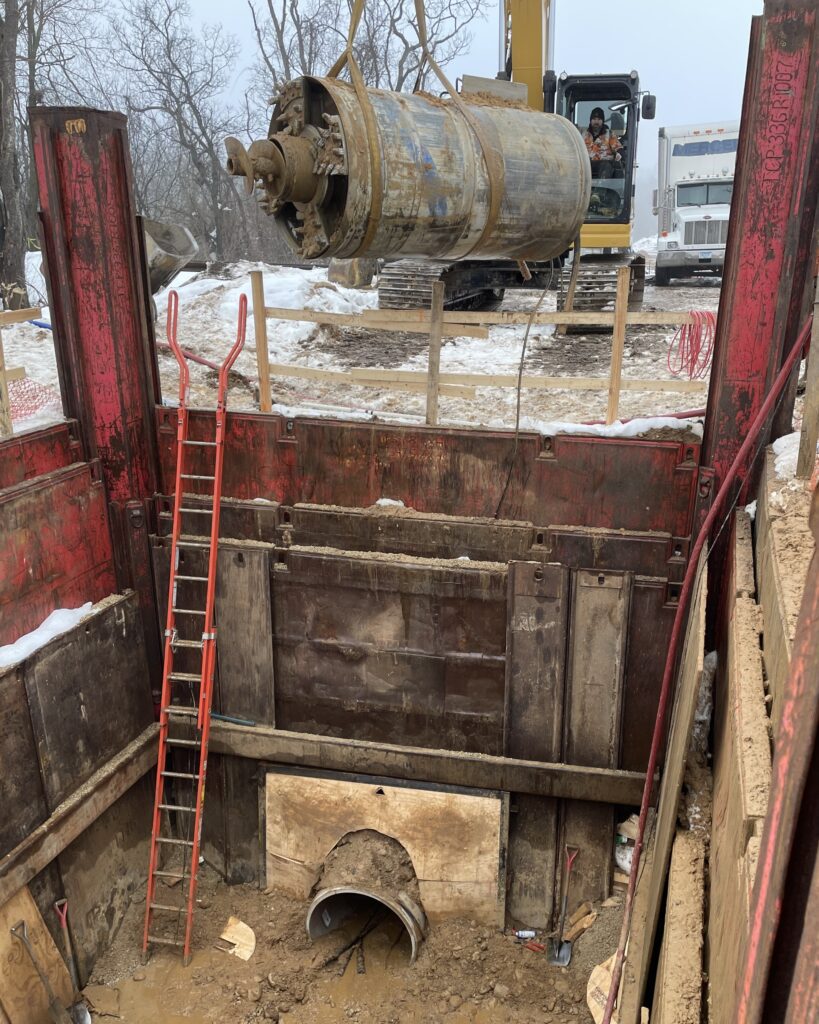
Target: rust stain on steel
100,332
38,452
617,483
55,548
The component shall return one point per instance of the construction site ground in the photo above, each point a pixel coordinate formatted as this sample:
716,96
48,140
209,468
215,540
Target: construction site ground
207,326
465,971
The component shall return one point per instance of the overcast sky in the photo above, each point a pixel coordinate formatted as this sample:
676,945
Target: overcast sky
690,53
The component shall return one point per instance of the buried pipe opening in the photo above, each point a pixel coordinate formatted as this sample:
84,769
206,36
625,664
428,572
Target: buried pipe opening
363,911
367,878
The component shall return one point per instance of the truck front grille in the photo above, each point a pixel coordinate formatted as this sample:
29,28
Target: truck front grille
706,232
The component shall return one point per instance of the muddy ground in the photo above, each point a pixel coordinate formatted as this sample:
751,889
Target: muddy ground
465,972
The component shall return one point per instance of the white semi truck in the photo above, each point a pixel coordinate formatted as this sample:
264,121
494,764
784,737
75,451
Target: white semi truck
693,198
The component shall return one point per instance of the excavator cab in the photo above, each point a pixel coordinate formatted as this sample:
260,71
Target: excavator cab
613,155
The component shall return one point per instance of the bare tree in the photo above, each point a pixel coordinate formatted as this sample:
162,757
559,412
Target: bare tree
50,49
12,192
304,38
177,83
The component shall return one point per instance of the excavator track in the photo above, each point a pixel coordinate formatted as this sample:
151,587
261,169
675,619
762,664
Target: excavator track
407,284
596,285
468,284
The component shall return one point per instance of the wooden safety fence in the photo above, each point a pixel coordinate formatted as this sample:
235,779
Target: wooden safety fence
439,323
7,374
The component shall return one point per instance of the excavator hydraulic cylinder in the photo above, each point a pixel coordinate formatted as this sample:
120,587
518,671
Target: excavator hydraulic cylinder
385,174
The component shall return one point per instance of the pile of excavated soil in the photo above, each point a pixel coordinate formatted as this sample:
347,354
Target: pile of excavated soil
465,972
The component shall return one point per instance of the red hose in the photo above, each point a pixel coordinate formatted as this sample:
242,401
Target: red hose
670,661
694,346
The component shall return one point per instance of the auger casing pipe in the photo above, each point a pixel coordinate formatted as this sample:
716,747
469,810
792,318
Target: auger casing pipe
315,175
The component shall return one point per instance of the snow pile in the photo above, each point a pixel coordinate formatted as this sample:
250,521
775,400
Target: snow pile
786,452
647,246
632,428
57,622
284,287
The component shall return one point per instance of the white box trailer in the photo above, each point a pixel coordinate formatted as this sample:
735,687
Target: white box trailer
693,198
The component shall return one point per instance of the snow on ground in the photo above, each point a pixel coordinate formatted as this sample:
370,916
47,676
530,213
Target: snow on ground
35,400
207,318
786,455
208,311
57,622
647,245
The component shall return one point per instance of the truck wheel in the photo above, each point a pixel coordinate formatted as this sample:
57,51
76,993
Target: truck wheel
661,277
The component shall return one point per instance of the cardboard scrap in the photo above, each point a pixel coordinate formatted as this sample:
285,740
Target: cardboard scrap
104,1001
630,828
240,937
597,992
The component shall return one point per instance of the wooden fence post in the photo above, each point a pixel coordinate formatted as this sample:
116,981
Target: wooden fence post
810,414
568,305
619,340
5,403
435,333
260,330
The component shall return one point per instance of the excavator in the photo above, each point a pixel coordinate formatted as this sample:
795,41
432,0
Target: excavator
483,187
526,61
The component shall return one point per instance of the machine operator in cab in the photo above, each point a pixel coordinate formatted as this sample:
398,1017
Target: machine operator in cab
605,149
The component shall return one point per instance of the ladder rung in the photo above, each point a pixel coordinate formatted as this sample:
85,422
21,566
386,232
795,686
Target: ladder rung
187,611
193,543
191,677
175,709
201,444
187,643
199,579
177,807
164,906
174,842
178,742
197,476
198,511
179,775
165,942
171,874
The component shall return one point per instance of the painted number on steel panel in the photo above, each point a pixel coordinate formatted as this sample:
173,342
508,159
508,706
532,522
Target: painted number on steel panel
75,127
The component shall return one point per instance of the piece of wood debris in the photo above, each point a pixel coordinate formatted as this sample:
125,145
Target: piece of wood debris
630,828
577,929
582,910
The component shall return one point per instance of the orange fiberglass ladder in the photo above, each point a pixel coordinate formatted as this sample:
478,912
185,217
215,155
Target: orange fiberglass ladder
184,721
